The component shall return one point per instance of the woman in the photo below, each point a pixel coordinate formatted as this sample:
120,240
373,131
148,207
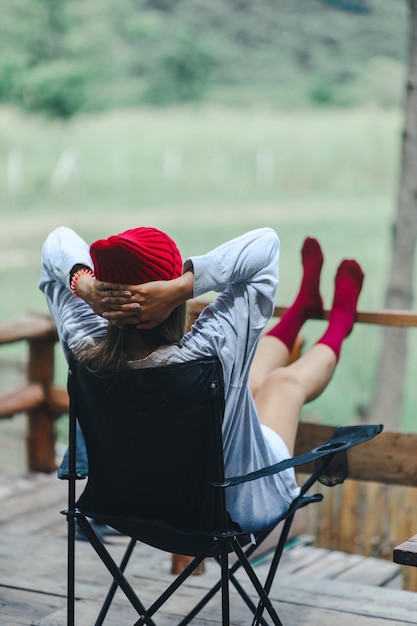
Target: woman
120,303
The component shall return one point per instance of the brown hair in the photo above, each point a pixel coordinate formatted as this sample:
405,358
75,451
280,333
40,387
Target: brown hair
112,352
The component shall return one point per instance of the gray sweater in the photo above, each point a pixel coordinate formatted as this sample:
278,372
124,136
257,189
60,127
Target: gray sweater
244,271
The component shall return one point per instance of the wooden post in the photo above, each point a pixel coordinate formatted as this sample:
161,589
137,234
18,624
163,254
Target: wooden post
41,422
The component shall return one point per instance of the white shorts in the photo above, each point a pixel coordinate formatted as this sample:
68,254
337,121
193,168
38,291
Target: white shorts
280,450
276,443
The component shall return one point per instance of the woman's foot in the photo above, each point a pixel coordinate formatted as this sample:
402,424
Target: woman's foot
348,285
308,303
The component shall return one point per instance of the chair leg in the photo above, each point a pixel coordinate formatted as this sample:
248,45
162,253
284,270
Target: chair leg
71,570
198,607
110,595
225,586
246,598
273,567
113,568
264,600
217,587
70,515
186,573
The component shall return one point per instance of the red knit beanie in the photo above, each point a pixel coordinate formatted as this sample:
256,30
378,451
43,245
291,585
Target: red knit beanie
136,256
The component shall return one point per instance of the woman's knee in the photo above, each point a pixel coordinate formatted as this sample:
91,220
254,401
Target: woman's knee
283,380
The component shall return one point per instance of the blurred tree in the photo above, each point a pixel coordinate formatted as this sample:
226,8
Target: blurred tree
182,74
38,70
65,56
56,55
388,398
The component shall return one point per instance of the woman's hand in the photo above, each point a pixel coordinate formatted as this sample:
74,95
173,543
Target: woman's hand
145,305
95,293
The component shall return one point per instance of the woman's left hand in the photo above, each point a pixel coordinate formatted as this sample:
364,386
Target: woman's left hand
104,297
148,304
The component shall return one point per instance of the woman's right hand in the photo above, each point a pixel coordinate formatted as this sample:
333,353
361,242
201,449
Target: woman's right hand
148,304
97,294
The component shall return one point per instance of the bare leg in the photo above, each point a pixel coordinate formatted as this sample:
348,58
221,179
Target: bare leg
284,391
270,354
276,345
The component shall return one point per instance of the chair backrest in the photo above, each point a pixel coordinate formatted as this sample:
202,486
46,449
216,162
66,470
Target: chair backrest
154,442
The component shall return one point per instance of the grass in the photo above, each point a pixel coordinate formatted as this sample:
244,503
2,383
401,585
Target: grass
205,175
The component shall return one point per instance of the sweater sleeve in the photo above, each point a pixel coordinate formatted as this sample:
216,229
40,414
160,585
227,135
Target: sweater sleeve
75,320
245,272
250,258
62,249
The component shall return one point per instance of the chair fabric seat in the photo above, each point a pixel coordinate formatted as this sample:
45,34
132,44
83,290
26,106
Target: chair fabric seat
157,533
154,445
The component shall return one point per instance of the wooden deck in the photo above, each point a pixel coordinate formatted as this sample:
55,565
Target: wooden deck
315,587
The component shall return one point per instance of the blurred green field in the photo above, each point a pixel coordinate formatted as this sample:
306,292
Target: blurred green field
206,174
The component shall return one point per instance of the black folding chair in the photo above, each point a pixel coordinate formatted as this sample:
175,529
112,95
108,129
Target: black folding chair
156,474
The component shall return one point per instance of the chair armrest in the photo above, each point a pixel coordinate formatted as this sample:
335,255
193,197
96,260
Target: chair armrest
343,438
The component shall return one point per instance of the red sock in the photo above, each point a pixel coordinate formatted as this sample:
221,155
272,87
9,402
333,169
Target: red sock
348,285
308,302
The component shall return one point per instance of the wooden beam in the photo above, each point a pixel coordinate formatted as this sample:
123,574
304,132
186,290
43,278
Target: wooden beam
388,317
58,400
41,421
389,458
403,319
20,399
42,326
27,328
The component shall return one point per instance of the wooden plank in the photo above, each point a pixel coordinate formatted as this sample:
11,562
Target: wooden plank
350,598
28,327
40,326
406,552
348,498
299,599
41,494
41,422
300,557
388,458
20,399
33,563
290,614
330,565
371,571
387,317
320,563
374,531
58,400
22,607
403,319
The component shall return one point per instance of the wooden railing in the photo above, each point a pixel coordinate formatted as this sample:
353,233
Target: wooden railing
39,397
43,401
387,462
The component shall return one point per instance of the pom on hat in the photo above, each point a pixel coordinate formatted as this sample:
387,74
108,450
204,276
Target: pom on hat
136,256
